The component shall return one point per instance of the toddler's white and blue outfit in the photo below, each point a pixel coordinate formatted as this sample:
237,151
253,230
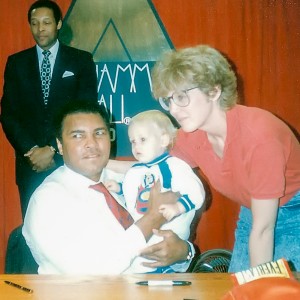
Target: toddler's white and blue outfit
174,174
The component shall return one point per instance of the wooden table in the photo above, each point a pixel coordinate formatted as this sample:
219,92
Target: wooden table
51,287
205,286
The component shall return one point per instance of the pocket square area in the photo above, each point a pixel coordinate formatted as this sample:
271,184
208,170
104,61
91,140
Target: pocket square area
67,74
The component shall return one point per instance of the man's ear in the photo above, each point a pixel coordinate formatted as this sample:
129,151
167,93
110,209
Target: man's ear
59,146
165,140
215,93
59,24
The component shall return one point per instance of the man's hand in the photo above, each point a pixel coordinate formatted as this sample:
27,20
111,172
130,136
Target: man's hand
40,158
169,251
157,198
153,219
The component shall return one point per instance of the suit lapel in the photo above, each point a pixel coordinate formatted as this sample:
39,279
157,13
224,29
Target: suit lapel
58,69
33,69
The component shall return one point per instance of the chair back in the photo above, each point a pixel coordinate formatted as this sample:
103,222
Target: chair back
215,260
18,259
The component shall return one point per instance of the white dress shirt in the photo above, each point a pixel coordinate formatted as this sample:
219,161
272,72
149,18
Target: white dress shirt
52,57
71,230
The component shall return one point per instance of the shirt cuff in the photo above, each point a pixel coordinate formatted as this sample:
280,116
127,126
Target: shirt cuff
35,146
183,265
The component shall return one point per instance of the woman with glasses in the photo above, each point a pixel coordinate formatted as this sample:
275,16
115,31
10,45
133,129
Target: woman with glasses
247,154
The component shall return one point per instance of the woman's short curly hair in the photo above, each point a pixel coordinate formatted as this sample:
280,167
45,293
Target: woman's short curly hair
201,66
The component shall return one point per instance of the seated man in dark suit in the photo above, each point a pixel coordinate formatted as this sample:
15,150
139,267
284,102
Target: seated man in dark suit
73,225
37,83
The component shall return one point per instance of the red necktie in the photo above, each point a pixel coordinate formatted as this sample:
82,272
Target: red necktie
121,214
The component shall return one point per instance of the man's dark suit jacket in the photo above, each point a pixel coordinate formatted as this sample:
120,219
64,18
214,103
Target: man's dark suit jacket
25,119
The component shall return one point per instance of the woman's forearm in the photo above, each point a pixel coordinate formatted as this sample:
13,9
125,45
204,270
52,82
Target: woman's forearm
261,240
261,246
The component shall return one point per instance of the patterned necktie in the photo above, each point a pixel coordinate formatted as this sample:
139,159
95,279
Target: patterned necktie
46,75
121,214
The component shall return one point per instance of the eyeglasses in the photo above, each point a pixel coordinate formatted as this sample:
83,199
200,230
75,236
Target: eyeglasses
181,99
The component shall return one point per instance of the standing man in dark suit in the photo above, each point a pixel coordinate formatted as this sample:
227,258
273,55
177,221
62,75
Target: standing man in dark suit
28,107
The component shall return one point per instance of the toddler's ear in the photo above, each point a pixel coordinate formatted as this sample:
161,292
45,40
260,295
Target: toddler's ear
165,140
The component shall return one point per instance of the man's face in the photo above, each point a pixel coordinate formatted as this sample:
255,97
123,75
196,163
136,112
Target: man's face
43,27
85,144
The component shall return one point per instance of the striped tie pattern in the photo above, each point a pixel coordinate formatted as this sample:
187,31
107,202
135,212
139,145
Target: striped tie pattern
46,75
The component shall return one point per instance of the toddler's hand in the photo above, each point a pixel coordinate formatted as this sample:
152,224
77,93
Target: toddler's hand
112,186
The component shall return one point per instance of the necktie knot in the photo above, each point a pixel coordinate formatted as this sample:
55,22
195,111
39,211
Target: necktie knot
120,213
99,187
46,53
